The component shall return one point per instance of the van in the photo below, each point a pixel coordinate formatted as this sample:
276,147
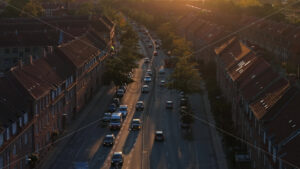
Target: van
116,121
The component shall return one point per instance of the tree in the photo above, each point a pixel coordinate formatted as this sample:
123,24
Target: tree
185,77
32,8
13,8
85,9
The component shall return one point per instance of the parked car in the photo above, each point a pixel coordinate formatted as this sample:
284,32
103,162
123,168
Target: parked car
135,124
157,47
109,140
139,106
112,108
162,71
124,87
150,46
149,72
147,79
145,89
106,117
116,101
117,159
162,83
147,60
159,135
120,93
169,104
124,110
155,53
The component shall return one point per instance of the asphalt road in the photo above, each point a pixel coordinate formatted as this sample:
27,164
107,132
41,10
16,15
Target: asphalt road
139,148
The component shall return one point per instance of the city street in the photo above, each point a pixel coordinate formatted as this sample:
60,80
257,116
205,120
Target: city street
139,148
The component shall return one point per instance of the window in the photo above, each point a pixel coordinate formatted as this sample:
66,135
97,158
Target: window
14,149
1,140
7,134
25,118
274,154
25,138
14,128
264,137
15,50
20,121
1,162
6,50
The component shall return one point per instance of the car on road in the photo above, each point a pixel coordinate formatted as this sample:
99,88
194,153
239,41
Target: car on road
120,93
117,159
161,71
145,89
157,47
124,110
147,60
124,87
106,118
149,72
109,140
139,106
116,101
184,101
155,53
162,83
135,124
112,108
116,121
169,104
147,79
159,135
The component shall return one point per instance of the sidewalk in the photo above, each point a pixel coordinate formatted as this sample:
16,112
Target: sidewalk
209,120
67,135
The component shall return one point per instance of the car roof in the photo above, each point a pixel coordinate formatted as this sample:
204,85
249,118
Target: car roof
169,101
145,86
136,120
118,153
162,80
140,101
159,132
123,106
109,135
107,114
117,114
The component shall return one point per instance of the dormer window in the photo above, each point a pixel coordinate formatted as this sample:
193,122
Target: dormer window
14,128
7,134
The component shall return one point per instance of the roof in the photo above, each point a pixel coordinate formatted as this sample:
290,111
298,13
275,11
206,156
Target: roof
290,152
221,48
82,49
269,98
285,119
37,78
239,67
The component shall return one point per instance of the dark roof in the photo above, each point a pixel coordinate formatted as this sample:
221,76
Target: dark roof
82,49
37,78
284,119
290,152
269,98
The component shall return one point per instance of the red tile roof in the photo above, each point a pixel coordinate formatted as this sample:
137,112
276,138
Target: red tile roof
269,98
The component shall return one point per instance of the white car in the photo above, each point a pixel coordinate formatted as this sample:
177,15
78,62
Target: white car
162,83
147,79
147,60
145,89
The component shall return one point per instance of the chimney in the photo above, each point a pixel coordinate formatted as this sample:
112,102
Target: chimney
30,59
20,64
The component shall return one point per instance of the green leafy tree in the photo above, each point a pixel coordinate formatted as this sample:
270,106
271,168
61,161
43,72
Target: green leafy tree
185,77
32,8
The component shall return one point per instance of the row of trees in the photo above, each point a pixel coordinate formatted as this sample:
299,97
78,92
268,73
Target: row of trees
119,66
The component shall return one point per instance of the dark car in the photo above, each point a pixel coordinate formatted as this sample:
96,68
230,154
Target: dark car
106,118
139,106
183,101
117,159
120,93
109,140
112,107
116,101
169,104
136,124
159,136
